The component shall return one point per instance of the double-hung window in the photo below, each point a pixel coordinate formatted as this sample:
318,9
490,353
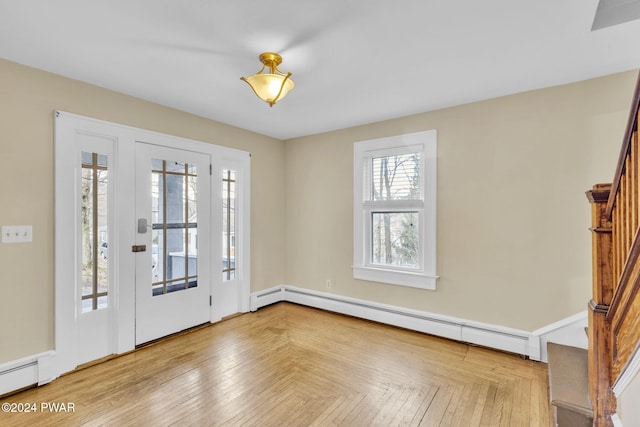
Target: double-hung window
395,210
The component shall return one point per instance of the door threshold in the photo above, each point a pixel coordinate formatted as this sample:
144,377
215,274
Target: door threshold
175,334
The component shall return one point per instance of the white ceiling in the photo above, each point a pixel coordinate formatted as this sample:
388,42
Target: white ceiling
353,61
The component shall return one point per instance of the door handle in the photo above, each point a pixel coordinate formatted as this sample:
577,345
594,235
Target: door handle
139,248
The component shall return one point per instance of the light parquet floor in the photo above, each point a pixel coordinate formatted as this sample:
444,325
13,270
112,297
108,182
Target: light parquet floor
288,365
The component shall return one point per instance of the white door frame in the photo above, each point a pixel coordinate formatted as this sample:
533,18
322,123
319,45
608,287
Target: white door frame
67,125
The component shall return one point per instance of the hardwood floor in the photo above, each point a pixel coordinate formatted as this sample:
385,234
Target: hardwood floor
288,365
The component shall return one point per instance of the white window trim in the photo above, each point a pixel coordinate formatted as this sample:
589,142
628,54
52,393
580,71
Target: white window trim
425,275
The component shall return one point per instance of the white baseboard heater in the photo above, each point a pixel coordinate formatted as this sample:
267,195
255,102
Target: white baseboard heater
25,372
493,336
39,368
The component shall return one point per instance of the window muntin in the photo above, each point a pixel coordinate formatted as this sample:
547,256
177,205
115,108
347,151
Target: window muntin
394,210
94,231
228,224
174,214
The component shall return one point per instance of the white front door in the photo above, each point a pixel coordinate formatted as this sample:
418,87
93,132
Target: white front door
192,264
173,241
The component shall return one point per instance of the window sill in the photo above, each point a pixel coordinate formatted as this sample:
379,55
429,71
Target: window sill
394,277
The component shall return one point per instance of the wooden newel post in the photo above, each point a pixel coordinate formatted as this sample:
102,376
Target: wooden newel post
600,349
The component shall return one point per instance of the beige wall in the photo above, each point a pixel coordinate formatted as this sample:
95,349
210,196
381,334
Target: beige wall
28,98
513,239
513,245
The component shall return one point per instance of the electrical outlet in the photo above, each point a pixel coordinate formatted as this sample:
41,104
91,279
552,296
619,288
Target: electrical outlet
17,233
328,284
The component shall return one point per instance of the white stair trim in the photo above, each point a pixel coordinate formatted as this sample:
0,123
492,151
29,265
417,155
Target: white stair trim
628,374
569,331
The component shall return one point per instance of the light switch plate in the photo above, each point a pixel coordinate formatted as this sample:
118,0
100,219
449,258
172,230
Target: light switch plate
17,233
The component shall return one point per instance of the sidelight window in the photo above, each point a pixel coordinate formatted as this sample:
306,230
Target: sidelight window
94,232
228,225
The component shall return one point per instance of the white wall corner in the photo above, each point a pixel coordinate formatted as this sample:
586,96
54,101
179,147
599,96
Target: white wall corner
569,331
266,297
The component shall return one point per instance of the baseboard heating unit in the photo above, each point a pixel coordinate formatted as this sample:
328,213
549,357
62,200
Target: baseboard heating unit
493,336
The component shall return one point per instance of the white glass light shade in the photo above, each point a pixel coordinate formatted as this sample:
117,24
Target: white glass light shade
267,86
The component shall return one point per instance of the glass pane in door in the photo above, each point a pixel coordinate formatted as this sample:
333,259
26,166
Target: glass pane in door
174,252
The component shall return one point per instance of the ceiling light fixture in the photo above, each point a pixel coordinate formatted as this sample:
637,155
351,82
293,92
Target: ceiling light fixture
273,85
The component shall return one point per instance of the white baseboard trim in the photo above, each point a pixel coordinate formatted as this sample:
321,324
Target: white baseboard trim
493,336
617,422
569,331
25,372
39,369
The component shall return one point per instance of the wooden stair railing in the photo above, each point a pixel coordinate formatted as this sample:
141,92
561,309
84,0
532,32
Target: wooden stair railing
614,310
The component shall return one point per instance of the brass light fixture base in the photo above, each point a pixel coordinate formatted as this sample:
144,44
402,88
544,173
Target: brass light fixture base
273,85
270,59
